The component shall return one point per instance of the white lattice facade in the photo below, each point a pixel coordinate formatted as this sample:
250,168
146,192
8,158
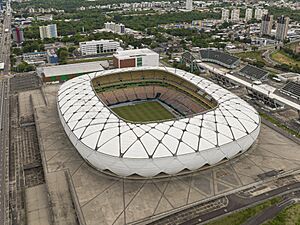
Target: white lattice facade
109,143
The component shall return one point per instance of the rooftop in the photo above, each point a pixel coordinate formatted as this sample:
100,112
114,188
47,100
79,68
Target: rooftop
254,72
134,52
70,69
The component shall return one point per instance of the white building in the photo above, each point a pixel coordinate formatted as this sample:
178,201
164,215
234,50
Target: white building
68,71
115,27
49,31
248,14
265,11
136,58
99,47
225,15
47,17
259,13
189,5
31,10
235,15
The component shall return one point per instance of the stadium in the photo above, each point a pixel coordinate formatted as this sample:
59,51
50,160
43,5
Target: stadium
150,121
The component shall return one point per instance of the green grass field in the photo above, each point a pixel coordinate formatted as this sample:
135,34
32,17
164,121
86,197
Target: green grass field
289,216
255,55
143,112
242,216
283,58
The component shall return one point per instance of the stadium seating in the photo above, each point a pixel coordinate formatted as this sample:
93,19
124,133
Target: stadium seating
170,90
172,97
140,92
126,76
130,94
120,95
103,98
218,57
292,89
149,75
149,92
254,73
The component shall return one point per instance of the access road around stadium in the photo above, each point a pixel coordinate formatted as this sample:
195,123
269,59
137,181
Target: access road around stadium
237,203
237,200
4,142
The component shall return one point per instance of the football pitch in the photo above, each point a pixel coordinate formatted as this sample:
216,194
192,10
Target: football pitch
143,112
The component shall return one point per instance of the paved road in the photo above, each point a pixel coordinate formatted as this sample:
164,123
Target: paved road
235,203
270,212
4,141
267,57
5,43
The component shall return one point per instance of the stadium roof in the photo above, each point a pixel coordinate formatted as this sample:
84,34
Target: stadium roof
109,143
68,69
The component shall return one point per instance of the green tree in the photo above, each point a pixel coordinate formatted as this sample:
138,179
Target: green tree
24,67
62,54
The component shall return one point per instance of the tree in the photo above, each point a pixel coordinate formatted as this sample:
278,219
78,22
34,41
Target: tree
117,18
259,64
225,25
31,46
62,54
254,48
71,49
24,67
17,51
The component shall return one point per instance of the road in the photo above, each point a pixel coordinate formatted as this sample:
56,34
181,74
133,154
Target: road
270,212
5,45
236,203
4,142
267,57
6,41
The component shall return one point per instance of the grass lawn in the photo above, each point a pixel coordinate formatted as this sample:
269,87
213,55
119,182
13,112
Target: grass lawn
283,58
242,216
143,112
289,216
256,55
279,124
293,45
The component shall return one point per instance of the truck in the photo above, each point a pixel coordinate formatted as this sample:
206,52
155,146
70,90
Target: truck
6,30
